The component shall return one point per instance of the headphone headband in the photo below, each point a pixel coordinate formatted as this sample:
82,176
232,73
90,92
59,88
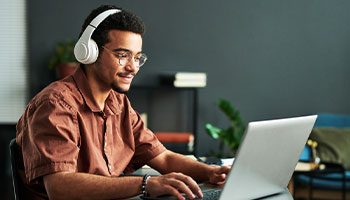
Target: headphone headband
86,50
99,18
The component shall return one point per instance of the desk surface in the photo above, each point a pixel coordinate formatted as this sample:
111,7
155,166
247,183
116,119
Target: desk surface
301,167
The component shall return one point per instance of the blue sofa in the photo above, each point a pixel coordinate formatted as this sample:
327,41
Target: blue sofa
332,133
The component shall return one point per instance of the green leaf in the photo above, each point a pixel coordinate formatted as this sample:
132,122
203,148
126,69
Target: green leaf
228,109
213,131
231,136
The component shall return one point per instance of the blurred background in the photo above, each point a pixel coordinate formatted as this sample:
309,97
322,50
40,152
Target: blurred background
270,59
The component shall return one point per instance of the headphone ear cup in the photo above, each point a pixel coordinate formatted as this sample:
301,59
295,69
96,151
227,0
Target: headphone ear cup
86,53
93,52
81,51
86,49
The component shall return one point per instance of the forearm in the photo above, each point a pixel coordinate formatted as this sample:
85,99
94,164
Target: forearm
65,185
173,162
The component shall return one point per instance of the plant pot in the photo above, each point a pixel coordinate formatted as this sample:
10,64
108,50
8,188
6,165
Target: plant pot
66,69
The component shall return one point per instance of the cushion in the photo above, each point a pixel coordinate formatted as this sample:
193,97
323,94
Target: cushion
333,145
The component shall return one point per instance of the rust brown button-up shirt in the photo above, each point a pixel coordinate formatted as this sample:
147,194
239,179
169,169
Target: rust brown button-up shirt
63,129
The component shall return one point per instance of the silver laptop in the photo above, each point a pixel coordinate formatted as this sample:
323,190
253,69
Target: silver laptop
266,158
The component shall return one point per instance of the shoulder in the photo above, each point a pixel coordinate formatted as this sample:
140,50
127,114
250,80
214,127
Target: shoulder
63,92
52,103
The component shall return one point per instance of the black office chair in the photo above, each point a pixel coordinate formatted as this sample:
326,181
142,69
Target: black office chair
18,186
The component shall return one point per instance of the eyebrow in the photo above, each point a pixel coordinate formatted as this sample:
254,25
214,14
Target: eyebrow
122,49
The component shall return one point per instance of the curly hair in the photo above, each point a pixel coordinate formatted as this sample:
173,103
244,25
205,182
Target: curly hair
124,20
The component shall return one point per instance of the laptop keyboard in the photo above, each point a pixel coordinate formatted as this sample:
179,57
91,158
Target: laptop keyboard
210,194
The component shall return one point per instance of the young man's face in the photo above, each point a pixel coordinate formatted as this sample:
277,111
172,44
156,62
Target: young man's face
108,71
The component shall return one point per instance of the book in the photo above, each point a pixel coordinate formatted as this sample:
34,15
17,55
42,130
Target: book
184,75
184,79
179,83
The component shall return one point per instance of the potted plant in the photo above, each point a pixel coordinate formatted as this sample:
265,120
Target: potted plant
230,136
63,59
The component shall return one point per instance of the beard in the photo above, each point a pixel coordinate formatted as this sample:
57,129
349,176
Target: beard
118,89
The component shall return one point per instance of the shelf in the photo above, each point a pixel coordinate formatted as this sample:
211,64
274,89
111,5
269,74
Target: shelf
144,99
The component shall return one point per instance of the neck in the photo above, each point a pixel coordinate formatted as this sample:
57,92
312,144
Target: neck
100,96
99,92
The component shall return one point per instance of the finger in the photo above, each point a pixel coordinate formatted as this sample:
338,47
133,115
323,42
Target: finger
192,184
223,169
173,191
220,179
182,187
161,185
217,178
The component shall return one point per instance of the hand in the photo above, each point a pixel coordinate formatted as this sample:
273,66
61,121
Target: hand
173,184
218,174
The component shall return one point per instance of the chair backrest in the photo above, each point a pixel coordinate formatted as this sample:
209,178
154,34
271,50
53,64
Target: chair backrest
18,186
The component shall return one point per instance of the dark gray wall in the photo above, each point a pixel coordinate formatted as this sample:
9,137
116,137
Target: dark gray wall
271,58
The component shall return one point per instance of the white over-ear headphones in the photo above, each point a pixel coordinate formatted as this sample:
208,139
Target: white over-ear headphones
86,50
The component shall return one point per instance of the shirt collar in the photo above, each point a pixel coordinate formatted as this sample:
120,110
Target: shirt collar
85,90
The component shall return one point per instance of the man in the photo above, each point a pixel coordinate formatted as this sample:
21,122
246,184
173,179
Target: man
79,134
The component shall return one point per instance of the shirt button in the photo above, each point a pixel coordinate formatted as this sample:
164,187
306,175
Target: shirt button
105,144
110,167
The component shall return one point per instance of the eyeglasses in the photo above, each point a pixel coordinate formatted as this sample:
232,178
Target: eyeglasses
125,56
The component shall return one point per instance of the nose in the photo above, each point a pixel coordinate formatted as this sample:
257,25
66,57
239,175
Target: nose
131,65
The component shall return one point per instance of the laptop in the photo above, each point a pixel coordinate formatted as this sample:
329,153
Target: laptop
265,160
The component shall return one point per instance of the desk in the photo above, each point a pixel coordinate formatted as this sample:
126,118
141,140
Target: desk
146,170
286,195
281,196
